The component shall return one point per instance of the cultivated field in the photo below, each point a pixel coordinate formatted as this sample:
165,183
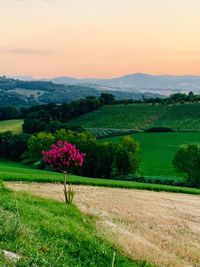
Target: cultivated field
163,228
142,116
11,125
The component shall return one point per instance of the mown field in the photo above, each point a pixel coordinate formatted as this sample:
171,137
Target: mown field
11,125
158,150
12,171
185,117
161,228
48,233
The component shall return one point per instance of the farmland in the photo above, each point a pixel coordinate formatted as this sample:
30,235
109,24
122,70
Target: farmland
184,117
11,125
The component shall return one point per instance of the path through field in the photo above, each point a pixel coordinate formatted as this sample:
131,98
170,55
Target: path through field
163,228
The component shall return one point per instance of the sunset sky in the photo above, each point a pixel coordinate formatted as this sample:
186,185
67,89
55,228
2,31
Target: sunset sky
99,38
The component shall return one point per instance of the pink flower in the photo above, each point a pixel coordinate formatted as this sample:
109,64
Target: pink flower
63,155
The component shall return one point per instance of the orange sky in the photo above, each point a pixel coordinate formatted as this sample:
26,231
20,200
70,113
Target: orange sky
99,38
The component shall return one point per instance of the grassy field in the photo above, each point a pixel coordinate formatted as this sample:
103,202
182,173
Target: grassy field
158,150
11,125
161,228
11,171
48,233
142,116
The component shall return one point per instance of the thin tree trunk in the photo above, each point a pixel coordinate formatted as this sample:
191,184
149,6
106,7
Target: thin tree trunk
113,259
65,185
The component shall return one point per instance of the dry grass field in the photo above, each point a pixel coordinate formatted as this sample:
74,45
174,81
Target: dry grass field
162,228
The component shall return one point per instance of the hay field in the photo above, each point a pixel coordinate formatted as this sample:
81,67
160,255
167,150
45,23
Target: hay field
162,228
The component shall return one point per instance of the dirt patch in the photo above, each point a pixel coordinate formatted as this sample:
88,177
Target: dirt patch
163,228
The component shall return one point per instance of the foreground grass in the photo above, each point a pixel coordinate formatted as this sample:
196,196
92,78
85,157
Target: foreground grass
11,171
11,125
49,233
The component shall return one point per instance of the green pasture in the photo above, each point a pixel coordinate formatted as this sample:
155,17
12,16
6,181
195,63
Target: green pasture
158,150
11,125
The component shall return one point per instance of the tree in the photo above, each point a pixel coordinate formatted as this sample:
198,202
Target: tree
61,157
187,160
38,143
107,99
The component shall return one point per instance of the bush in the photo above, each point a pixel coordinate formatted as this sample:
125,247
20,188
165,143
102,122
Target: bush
187,160
12,146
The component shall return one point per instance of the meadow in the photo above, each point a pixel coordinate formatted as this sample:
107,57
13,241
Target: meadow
11,125
180,117
158,150
13,171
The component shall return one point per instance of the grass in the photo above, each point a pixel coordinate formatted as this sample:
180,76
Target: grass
11,171
142,116
158,150
11,125
49,233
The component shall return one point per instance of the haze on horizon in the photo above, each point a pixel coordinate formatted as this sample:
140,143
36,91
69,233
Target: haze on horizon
93,38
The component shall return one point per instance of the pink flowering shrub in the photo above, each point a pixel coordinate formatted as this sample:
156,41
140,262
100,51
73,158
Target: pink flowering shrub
63,155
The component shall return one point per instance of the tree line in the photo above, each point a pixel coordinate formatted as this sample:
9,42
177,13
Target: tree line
103,160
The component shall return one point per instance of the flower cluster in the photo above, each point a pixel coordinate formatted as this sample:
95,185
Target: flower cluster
63,155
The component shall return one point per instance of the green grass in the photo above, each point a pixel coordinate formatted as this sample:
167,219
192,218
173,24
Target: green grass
142,116
11,171
48,233
11,125
158,150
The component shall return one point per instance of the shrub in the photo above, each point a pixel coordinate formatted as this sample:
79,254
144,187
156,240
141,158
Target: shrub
61,157
187,160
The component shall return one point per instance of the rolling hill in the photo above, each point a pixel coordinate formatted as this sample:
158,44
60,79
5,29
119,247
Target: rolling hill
184,117
26,93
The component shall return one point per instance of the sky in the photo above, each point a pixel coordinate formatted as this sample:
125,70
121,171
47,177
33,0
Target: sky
99,38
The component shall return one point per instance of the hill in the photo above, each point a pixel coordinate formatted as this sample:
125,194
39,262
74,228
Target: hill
179,117
164,84
26,93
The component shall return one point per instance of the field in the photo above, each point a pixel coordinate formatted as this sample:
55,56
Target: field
11,125
48,233
161,228
11,171
158,150
142,116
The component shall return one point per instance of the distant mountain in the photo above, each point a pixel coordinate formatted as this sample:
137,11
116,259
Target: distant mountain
26,93
22,78
140,82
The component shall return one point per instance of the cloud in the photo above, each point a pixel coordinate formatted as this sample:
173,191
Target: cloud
27,51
